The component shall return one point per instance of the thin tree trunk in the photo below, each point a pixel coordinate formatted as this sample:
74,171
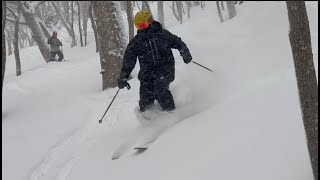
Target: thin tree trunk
9,42
160,13
300,41
222,5
174,10
94,27
79,18
179,9
231,9
145,5
66,25
189,5
4,56
219,12
112,40
85,17
72,22
129,10
16,42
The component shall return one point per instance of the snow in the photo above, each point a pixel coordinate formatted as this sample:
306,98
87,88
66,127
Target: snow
241,121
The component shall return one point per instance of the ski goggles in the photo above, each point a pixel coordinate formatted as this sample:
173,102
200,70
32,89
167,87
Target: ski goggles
141,26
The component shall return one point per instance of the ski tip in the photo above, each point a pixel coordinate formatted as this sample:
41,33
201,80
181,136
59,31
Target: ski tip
114,158
140,148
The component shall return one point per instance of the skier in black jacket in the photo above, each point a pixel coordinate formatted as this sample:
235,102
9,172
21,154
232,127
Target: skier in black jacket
55,43
152,45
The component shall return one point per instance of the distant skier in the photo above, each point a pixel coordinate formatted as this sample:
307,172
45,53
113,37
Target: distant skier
55,43
152,45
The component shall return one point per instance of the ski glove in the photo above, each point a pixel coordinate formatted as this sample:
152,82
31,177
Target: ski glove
123,83
187,58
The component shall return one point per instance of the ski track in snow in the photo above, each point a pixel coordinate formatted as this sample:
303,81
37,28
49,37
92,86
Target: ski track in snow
61,157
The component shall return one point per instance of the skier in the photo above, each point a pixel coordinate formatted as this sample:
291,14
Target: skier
152,45
55,43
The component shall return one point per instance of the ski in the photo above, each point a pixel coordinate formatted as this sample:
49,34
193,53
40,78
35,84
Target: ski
142,147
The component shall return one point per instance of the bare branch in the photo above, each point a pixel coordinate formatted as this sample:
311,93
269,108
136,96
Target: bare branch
12,12
37,3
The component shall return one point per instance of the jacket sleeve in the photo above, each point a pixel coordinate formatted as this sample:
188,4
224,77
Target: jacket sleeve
175,42
129,60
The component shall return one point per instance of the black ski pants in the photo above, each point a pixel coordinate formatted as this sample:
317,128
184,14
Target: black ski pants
53,55
156,89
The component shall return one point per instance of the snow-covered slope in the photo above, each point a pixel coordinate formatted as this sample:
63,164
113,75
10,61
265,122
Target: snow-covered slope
242,121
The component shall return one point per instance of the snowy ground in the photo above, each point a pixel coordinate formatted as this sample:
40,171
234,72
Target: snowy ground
242,121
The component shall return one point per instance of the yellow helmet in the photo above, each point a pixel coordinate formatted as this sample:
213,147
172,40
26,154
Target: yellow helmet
142,16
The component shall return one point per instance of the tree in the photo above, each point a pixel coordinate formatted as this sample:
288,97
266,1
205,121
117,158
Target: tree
85,17
94,27
160,13
129,11
300,41
145,5
231,9
16,38
9,38
178,16
79,21
112,40
189,5
68,25
32,21
4,55
219,12
222,6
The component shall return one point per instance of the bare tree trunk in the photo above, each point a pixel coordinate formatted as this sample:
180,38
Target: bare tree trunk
202,4
189,4
112,40
79,18
177,14
129,10
16,42
231,9
38,35
137,5
179,9
222,5
4,55
93,24
9,42
72,22
44,29
145,5
219,12
66,25
160,13
85,17
300,41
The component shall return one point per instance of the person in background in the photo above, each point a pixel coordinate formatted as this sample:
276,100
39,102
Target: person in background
55,43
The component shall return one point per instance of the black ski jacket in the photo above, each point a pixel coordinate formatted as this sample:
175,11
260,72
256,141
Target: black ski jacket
153,48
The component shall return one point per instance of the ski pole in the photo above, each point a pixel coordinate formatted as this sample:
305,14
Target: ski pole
100,121
202,66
